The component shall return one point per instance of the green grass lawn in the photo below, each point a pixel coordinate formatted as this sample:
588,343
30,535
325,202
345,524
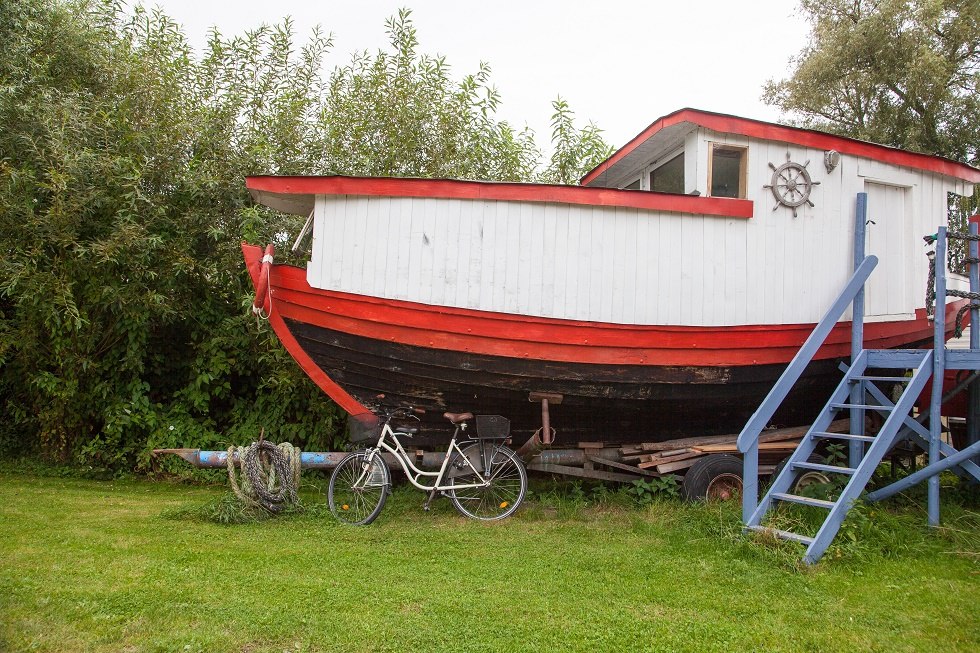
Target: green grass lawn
126,566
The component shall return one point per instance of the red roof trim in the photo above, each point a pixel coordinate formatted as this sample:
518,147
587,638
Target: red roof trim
502,191
806,137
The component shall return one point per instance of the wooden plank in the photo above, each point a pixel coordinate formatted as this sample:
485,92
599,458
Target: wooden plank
659,460
629,468
674,452
787,445
591,445
582,473
774,435
665,468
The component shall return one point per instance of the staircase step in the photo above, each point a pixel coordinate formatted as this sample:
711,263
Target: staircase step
843,436
783,535
818,467
864,406
806,501
896,359
896,379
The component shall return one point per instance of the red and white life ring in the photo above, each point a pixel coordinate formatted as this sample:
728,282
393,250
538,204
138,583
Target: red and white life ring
263,295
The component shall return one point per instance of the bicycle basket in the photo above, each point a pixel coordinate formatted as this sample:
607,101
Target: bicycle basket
364,427
492,427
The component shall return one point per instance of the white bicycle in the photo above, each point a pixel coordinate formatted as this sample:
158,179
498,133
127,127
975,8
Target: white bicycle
484,479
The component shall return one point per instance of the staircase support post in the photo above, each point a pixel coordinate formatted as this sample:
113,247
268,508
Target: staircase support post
856,448
973,411
938,374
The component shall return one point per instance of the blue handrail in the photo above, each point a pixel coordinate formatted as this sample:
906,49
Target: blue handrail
748,439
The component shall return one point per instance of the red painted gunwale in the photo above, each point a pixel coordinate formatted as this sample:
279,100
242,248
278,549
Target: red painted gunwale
805,137
501,191
518,336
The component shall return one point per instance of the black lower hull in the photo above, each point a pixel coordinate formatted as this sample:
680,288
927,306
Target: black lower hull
614,404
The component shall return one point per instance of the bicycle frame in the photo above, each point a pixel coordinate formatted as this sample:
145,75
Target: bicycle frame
413,473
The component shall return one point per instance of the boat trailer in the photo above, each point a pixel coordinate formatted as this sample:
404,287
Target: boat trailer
705,466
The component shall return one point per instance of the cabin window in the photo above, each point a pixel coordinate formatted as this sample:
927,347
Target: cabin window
634,186
726,171
669,178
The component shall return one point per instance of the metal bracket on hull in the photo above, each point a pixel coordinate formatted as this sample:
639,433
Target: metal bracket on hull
543,437
545,398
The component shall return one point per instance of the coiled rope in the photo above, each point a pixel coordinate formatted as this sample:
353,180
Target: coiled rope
270,474
974,297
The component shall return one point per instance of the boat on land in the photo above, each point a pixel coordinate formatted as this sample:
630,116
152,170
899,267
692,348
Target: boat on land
659,299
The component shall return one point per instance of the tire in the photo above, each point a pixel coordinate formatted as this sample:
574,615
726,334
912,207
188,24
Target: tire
804,479
717,477
359,505
508,482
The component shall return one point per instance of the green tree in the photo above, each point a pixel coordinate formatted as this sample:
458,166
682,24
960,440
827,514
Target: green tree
121,210
400,113
900,72
574,151
124,321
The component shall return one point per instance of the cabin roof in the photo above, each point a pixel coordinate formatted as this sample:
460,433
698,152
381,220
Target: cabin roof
668,132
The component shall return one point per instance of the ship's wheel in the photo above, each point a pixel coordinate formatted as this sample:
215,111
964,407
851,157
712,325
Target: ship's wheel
791,185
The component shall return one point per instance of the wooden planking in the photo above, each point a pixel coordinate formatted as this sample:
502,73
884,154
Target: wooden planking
657,460
620,264
609,265
390,229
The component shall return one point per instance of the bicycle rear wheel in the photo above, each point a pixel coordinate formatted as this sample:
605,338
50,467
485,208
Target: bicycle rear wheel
358,488
505,491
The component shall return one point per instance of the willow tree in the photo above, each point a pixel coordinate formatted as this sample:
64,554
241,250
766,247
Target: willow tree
900,72
123,297
575,151
121,208
399,112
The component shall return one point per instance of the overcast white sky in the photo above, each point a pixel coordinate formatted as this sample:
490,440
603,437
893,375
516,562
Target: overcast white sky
620,64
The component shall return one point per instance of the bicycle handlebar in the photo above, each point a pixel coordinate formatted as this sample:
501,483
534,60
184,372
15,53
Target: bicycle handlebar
388,411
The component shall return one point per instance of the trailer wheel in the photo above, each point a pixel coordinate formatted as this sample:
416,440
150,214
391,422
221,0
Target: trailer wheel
717,477
806,478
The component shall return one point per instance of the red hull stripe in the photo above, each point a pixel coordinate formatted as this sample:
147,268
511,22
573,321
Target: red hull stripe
482,190
515,336
253,260
805,137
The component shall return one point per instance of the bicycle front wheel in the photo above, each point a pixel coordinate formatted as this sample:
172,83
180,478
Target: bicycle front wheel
506,476
358,488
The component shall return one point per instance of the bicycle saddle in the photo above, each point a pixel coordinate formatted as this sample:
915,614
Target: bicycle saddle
456,418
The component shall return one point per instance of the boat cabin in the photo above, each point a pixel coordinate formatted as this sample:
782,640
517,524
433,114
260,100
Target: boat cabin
802,185
702,219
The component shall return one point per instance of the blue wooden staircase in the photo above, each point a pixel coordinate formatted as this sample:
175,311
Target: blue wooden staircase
858,394
920,362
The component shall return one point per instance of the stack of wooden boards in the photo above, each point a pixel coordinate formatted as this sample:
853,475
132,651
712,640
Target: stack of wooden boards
675,455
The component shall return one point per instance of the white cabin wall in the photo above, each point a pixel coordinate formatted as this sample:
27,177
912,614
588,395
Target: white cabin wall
806,259
926,206
785,268
694,165
625,265
585,263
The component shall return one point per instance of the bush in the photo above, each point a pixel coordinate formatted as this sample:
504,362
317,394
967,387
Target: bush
124,321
